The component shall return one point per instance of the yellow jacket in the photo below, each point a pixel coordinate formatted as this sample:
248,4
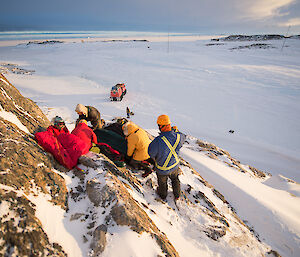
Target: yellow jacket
137,141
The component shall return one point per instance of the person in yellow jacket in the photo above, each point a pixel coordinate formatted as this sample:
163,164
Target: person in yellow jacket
137,147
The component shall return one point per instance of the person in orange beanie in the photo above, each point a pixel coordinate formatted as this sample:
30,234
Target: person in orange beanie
164,150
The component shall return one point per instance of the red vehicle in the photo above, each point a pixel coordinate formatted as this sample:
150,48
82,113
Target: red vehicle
117,92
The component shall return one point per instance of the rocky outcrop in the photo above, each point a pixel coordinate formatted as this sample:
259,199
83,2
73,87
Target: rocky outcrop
25,169
102,196
21,232
217,153
106,192
250,38
253,46
14,68
23,108
45,42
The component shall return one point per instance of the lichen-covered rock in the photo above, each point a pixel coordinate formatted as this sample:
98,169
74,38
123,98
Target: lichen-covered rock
28,113
21,232
124,210
102,197
25,169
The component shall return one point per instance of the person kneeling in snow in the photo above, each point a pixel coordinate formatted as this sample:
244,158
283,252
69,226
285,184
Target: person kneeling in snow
86,134
58,126
137,147
164,150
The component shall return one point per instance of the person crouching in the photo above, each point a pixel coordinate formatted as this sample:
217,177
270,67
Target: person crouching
137,147
89,113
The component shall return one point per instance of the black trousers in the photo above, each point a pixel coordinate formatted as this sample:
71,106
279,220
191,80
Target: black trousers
162,189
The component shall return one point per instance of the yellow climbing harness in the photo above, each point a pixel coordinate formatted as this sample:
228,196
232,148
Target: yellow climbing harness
172,152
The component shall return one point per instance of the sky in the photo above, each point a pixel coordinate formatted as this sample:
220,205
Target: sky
206,16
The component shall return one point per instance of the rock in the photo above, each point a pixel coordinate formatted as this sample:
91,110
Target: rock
45,42
76,216
273,253
99,240
86,161
26,168
251,37
28,113
23,235
106,196
6,67
215,232
99,194
124,210
255,46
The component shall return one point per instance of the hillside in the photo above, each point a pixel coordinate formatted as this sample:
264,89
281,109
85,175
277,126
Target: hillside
47,210
242,96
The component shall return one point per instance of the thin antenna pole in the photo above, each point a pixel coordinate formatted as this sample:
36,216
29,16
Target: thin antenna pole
168,40
285,37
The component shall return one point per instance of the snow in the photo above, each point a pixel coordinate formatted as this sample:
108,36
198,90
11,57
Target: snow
13,119
206,91
124,238
273,213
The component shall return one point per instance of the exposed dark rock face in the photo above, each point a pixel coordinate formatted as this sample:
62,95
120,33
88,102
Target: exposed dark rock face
253,46
21,232
250,38
24,165
5,67
25,109
26,168
124,210
99,240
111,195
45,42
215,44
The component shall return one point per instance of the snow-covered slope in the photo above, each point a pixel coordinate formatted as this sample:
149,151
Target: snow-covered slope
207,91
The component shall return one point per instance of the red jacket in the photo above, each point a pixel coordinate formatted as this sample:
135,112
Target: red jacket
66,148
86,134
56,132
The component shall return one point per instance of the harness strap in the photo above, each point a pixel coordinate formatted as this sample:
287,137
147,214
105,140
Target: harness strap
172,153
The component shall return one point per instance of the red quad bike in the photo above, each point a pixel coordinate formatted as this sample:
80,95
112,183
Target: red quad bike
117,92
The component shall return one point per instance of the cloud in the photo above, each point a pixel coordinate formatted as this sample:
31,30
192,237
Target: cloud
188,15
261,9
290,22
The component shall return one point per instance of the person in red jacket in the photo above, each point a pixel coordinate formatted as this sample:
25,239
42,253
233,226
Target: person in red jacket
58,127
86,134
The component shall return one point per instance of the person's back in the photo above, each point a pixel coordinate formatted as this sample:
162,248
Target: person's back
137,142
164,150
159,149
86,134
89,113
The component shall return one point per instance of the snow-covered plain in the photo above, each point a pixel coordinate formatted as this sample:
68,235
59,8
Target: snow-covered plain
206,90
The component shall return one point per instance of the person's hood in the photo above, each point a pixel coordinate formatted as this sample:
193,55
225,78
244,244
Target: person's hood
81,108
129,128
